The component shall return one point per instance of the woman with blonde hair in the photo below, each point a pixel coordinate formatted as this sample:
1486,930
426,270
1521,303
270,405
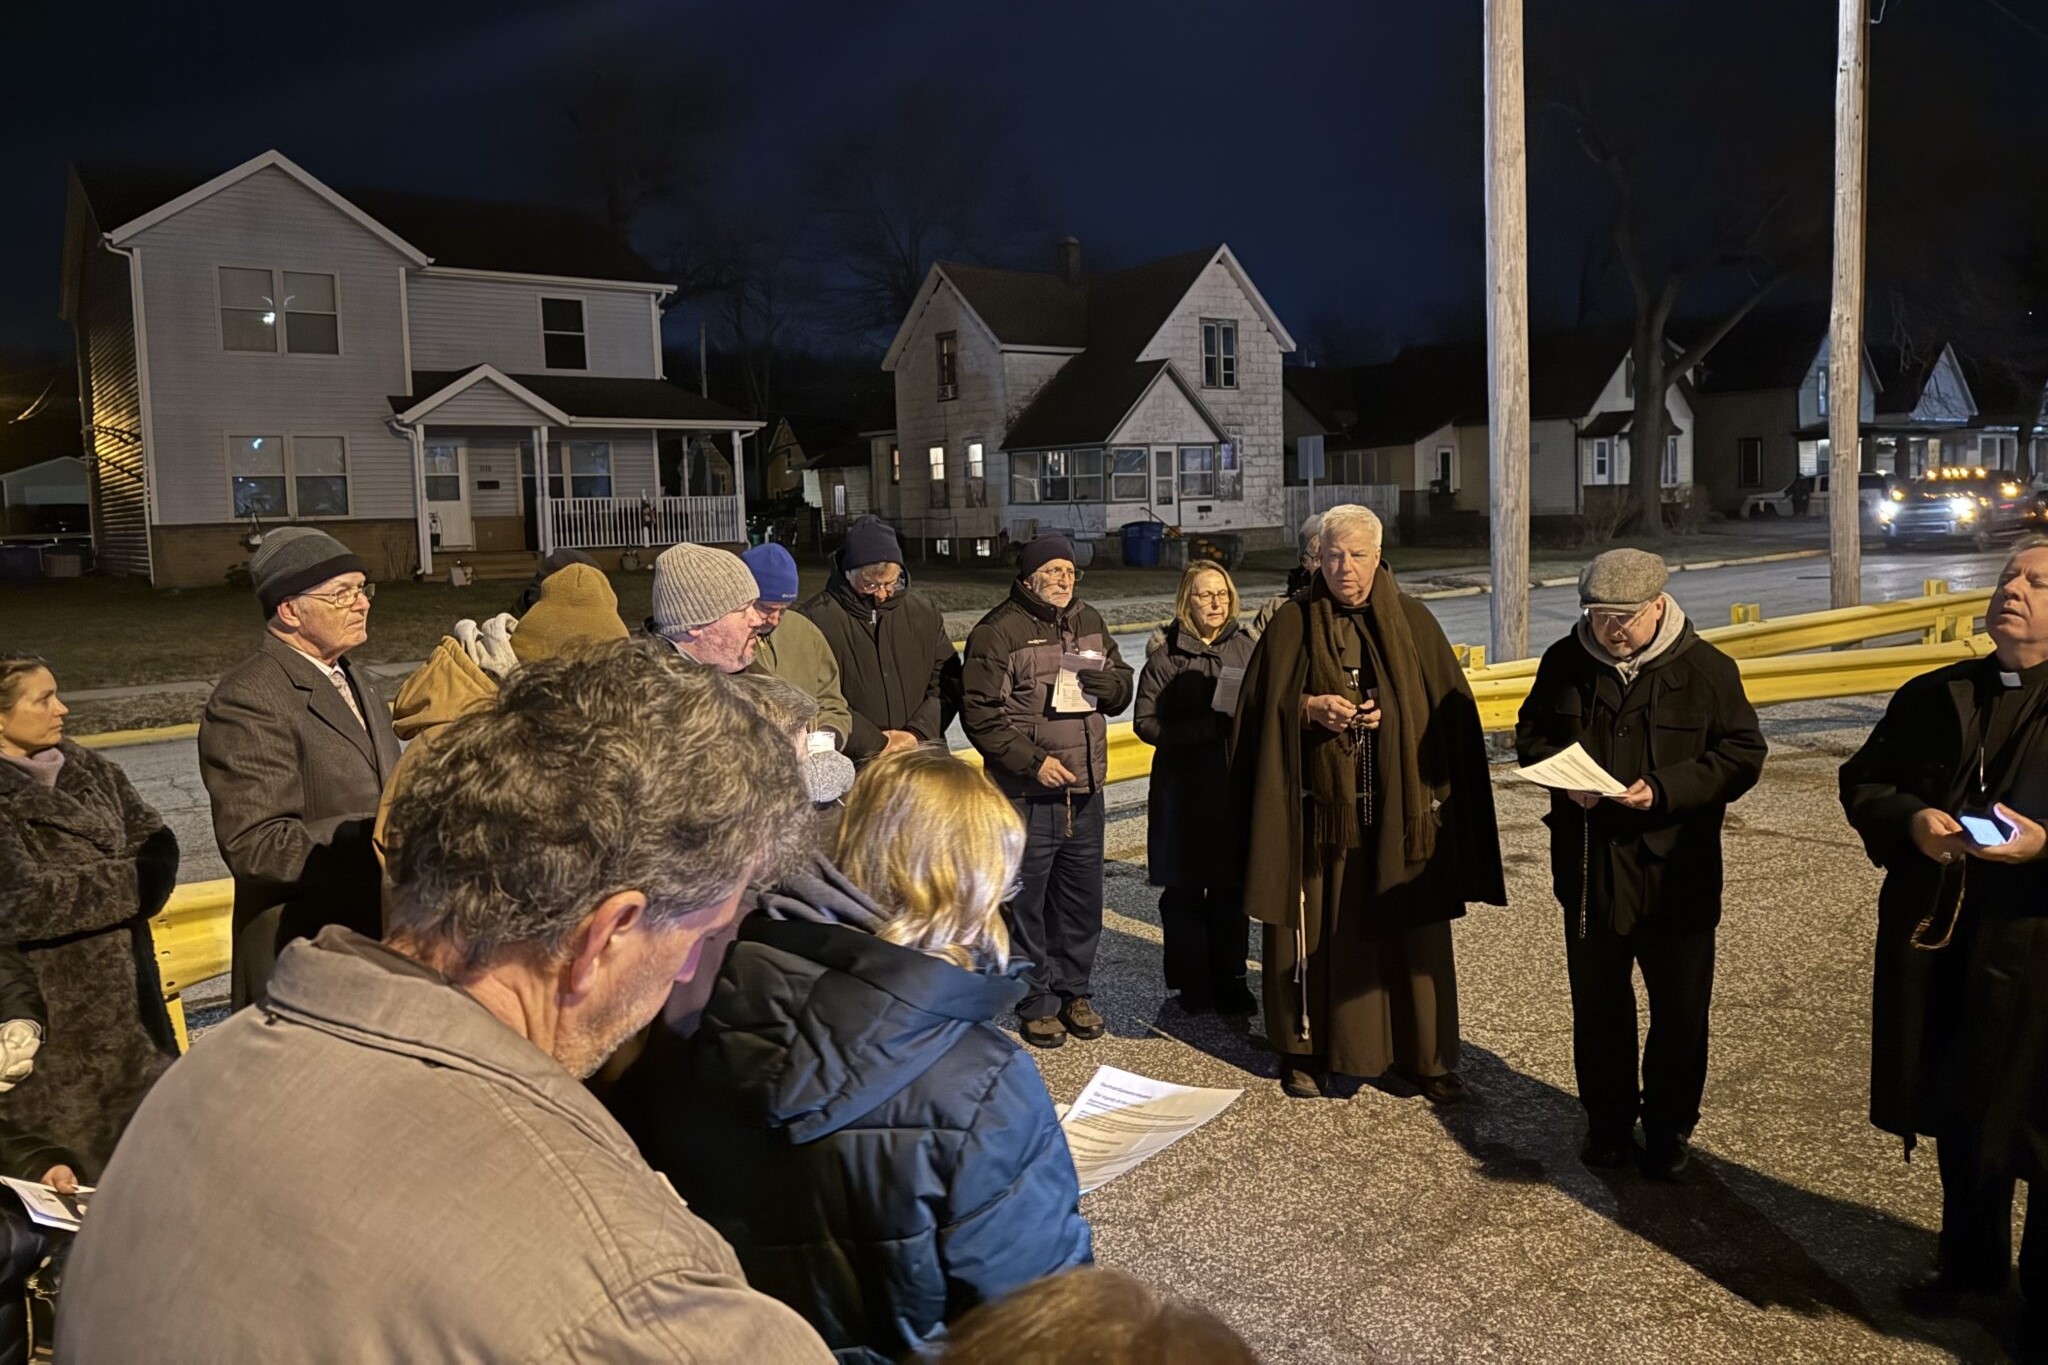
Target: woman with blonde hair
882,1156
1186,699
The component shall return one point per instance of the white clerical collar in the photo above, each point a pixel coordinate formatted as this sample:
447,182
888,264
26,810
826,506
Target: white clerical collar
2006,679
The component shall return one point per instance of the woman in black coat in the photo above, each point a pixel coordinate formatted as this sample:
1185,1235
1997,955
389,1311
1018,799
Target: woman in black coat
1189,852
84,863
882,1156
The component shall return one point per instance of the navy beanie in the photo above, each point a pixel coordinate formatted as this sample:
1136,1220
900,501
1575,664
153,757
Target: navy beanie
1042,551
869,540
774,572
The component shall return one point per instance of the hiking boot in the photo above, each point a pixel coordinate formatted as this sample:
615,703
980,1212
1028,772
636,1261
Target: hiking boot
1302,1079
1047,1032
1081,1019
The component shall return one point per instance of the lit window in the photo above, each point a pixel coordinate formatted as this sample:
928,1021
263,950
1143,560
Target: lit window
1219,354
974,468
561,335
983,549
1821,390
895,464
942,546
937,455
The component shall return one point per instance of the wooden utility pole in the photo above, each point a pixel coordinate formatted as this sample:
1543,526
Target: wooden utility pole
1507,327
1845,318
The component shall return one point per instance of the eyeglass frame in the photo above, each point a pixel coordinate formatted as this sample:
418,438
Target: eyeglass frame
862,582
1614,618
361,592
1055,576
1223,596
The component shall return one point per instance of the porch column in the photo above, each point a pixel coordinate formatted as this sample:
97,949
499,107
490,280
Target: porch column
739,482
543,505
422,526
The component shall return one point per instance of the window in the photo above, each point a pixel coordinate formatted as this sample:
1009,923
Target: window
839,500
1026,470
1820,390
442,470
289,477
1219,354
1087,465
974,466
590,470
1198,471
1602,458
1670,470
984,549
895,463
937,455
1057,485
942,546
1229,476
561,335
948,344
272,310
1749,461
1162,478
1445,460
1127,474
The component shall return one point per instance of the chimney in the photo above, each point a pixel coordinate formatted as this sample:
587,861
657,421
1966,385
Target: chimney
1068,255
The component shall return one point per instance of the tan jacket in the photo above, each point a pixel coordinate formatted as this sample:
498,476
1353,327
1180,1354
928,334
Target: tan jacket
372,1168
797,652
447,687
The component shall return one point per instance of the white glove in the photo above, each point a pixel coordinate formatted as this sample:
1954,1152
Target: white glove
20,1039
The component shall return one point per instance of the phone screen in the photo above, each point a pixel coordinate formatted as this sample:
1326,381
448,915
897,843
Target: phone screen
1984,830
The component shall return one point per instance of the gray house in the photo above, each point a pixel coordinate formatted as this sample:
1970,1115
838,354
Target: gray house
258,348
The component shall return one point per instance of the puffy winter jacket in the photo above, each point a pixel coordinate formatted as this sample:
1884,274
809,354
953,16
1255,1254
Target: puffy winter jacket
880,1154
890,657
1013,660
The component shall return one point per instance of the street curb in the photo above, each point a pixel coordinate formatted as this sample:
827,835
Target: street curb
1568,580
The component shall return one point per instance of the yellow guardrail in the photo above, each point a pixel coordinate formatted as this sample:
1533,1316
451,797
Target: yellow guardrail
194,942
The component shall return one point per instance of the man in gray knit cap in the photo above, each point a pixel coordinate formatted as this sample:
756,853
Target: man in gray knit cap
1638,872
704,605
295,747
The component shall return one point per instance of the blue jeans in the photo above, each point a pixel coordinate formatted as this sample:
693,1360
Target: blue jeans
1056,919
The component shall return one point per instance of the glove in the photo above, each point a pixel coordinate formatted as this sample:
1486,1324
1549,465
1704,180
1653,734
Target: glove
1099,683
20,1039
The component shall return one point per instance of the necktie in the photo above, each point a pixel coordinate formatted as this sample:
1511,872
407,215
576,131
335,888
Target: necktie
348,695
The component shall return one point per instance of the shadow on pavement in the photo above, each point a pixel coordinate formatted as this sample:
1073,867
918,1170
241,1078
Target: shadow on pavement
1730,1223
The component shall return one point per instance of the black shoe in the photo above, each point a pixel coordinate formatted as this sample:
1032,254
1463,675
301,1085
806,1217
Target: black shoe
1665,1156
1444,1089
1195,1002
1302,1080
1043,1032
1236,998
1940,1292
1605,1151
1081,1019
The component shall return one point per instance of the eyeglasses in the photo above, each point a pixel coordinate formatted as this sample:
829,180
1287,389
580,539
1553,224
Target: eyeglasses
1215,598
879,587
1603,619
1060,575
346,597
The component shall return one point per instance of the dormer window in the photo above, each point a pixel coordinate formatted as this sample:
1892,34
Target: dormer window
562,341
1219,353
948,344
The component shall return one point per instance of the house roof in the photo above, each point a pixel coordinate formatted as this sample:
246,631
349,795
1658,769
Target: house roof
1618,424
576,399
39,417
463,234
1023,307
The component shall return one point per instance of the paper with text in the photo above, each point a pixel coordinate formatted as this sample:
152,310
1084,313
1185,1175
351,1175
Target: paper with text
1067,697
1122,1119
1229,682
1574,771
46,1206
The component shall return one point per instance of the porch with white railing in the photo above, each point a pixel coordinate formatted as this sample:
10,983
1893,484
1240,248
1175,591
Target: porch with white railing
616,523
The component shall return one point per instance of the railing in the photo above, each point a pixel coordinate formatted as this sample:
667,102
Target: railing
1383,498
613,523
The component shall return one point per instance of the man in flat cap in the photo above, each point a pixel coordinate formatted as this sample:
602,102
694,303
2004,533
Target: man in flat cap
295,746
1638,872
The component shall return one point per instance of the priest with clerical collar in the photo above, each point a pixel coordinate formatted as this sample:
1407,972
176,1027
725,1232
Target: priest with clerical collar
1948,794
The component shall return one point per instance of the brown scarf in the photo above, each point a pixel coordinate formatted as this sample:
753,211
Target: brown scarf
1331,769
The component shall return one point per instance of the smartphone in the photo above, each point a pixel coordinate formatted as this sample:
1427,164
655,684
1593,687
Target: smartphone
1986,828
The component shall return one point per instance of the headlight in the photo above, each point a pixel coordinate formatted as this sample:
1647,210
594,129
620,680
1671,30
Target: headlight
1886,511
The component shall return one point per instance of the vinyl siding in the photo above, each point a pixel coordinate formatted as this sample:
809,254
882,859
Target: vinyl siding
458,322
923,421
112,400
484,404
200,393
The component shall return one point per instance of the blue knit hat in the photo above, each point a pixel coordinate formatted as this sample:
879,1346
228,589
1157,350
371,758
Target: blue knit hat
869,540
774,572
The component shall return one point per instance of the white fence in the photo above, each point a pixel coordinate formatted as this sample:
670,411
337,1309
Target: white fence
614,523
1383,498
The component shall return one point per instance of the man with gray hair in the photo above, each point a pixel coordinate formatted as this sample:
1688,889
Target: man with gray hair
1308,545
394,1158
705,605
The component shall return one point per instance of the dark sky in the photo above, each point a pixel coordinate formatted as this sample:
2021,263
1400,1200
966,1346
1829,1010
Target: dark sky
1334,143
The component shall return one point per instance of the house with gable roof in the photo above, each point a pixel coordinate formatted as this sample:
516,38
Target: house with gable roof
1057,401
421,377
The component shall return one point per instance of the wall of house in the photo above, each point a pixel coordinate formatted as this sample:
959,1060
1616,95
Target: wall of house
923,421
1553,469
1614,399
1253,408
203,556
484,404
200,393
1165,420
1809,392
105,332
459,321
1725,420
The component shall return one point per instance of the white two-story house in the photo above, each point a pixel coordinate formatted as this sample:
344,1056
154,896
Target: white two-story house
1030,402
258,348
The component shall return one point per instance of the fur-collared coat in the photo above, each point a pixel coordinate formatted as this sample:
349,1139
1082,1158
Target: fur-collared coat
82,868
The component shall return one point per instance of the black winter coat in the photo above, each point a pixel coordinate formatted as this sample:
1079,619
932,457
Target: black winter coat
878,1152
1959,1035
890,659
1013,660
1685,726
1188,837
82,869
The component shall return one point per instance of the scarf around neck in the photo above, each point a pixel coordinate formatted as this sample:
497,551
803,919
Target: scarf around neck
1629,668
41,767
1330,767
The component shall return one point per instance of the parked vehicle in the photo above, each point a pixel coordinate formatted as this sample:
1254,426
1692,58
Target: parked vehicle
1808,495
1984,507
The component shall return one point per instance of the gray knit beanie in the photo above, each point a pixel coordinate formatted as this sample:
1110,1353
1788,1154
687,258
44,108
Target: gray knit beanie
694,585
292,559
1622,578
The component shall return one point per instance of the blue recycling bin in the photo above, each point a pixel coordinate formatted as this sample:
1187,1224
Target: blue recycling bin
20,563
1142,540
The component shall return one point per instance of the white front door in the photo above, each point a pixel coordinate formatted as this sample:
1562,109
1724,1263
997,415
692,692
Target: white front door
447,479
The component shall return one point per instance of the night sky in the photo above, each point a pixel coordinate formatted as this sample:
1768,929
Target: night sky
1336,146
